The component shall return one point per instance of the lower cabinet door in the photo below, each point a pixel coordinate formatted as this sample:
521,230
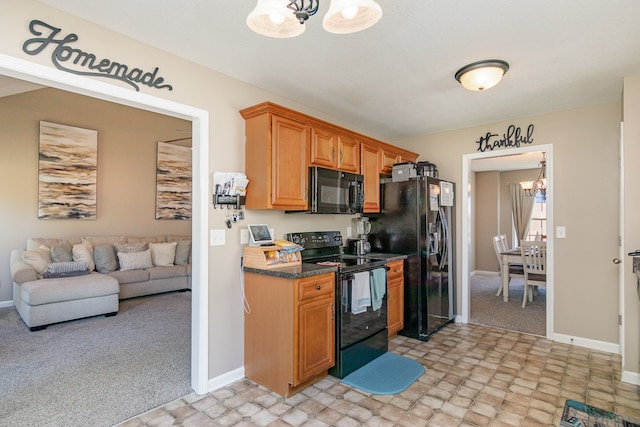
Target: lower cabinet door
316,337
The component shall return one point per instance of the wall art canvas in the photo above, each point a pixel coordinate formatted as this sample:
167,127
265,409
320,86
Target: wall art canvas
67,172
173,182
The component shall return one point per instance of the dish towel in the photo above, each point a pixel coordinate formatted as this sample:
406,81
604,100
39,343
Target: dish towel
378,287
360,293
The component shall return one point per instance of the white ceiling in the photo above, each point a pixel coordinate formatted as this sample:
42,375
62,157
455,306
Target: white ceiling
396,78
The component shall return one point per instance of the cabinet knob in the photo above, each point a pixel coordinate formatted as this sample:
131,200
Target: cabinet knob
318,287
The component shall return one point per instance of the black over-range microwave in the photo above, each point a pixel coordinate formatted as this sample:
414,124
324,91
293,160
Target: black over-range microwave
334,192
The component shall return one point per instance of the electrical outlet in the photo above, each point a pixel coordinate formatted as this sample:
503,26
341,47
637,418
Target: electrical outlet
217,238
244,236
348,231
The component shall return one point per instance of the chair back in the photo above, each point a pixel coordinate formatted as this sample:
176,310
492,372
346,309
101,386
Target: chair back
497,247
504,247
534,258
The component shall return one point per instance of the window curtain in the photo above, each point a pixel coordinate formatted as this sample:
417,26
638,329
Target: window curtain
521,210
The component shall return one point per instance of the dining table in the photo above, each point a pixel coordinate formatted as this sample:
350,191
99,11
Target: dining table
511,256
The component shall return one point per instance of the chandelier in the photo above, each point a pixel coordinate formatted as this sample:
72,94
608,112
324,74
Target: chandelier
539,186
287,18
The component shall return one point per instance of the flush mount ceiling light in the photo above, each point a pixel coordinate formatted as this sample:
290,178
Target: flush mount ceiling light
482,75
286,18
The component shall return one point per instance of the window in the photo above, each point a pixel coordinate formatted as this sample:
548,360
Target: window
538,223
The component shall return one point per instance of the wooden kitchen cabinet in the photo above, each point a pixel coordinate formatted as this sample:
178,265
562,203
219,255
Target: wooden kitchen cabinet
395,297
276,150
281,144
370,162
289,330
334,151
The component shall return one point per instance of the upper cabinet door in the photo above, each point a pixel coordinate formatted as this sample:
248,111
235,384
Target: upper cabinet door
348,154
290,140
333,150
324,148
371,170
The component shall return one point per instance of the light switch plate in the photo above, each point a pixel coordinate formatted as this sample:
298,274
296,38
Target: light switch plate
217,238
561,232
244,236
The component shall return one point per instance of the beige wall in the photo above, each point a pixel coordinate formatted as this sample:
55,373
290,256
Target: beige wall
127,140
487,220
631,238
585,144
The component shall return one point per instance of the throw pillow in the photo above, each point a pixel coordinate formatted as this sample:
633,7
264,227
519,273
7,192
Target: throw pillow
105,258
66,269
128,248
163,254
81,253
38,258
135,260
62,252
183,250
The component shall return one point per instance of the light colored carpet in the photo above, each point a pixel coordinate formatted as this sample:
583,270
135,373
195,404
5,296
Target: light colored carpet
488,309
97,371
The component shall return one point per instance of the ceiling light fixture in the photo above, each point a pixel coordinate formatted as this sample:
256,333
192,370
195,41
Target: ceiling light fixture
539,186
286,18
482,75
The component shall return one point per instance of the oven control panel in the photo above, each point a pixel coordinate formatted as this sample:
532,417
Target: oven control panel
316,239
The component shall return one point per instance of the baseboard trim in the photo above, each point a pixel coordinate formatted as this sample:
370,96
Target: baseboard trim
4,304
226,379
631,377
588,343
485,273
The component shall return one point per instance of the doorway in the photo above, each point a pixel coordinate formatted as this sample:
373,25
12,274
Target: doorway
35,73
468,224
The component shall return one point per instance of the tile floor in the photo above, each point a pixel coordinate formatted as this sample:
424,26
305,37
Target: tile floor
475,376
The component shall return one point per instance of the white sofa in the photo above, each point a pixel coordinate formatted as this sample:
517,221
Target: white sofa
113,268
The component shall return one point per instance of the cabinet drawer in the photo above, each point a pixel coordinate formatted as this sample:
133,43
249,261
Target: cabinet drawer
396,269
315,286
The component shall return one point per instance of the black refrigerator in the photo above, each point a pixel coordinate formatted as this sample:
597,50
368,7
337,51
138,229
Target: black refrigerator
417,219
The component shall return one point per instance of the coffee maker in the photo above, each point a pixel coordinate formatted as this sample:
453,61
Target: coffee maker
360,227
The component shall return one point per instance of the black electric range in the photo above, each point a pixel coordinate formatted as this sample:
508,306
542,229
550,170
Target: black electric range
323,247
361,337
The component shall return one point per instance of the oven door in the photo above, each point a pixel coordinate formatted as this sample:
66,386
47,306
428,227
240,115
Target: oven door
335,192
354,328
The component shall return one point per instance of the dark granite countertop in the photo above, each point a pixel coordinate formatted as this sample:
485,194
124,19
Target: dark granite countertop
294,272
310,269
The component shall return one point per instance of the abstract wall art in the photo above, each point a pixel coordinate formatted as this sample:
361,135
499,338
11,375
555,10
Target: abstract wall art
67,172
173,182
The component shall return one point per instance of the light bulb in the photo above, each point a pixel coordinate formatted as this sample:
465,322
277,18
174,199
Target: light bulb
349,12
276,18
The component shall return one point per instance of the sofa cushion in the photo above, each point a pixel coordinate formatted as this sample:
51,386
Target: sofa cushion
147,240
128,248
163,254
105,258
46,291
167,272
35,242
66,269
135,260
83,252
38,258
183,250
101,240
130,276
62,252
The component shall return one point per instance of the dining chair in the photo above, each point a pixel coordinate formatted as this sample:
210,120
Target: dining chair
515,270
534,262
